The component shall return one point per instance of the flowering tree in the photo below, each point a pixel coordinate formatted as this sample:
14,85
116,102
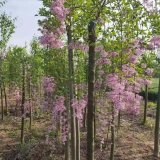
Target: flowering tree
119,47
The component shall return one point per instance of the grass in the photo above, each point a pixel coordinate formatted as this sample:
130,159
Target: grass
154,85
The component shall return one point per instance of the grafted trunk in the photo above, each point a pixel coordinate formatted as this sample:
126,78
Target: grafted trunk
91,82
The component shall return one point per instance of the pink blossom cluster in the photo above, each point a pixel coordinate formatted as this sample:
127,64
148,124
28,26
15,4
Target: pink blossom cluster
135,51
79,46
123,97
103,57
128,70
48,84
79,105
59,10
149,71
59,111
53,38
155,42
58,105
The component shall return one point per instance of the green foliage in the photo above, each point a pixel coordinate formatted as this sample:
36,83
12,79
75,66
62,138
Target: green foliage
6,30
151,104
16,56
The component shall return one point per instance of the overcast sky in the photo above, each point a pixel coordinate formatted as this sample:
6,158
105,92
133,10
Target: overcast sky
26,23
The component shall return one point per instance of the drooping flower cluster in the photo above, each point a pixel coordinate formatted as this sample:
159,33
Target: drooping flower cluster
123,95
155,42
79,46
128,70
55,105
48,84
59,113
59,10
79,106
149,71
53,38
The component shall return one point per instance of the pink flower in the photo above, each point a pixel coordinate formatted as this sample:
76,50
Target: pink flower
149,71
155,41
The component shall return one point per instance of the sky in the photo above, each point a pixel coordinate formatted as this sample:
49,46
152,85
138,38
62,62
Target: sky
26,22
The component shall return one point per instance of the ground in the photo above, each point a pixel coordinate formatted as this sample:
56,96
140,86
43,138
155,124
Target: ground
134,141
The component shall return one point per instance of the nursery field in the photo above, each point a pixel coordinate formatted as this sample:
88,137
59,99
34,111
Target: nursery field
133,141
80,80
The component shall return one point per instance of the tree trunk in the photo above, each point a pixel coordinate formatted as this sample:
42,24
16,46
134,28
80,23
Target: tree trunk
30,116
5,98
2,106
67,143
156,134
84,118
71,94
77,140
112,136
91,82
145,104
22,104
119,119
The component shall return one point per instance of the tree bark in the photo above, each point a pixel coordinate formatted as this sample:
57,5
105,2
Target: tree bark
2,106
22,104
5,98
77,140
71,93
30,105
157,127
145,104
67,143
112,135
91,82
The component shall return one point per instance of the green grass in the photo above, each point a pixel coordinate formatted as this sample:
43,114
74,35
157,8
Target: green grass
152,91
154,86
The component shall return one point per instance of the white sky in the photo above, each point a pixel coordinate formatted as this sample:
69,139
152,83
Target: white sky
26,23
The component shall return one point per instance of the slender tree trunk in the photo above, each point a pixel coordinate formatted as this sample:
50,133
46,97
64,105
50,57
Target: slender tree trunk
78,140
67,143
5,98
2,106
157,127
71,94
84,118
119,119
91,82
22,104
67,150
30,116
112,136
145,104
